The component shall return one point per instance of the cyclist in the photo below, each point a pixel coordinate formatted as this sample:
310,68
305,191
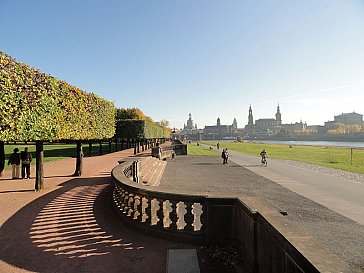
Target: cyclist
264,156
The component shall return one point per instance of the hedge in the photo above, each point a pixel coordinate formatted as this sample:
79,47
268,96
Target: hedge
142,129
37,106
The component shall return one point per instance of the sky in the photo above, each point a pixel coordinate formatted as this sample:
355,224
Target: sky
208,58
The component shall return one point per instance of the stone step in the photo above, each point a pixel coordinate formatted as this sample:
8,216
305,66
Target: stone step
154,169
182,261
157,174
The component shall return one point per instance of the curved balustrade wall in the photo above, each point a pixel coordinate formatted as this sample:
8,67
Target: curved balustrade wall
269,242
176,216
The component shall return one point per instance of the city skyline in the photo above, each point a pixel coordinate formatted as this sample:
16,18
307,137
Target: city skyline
201,126
209,58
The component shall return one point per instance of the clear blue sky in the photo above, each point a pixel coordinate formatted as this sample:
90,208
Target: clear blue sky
209,58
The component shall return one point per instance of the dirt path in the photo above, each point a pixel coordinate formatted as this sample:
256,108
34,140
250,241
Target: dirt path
71,226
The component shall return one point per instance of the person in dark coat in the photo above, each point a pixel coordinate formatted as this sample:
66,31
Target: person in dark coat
226,157
26,158
14,161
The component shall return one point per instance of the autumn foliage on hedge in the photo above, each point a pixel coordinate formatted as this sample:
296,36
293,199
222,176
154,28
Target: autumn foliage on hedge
37,106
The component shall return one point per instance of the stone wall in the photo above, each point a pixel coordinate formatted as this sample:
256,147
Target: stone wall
269,242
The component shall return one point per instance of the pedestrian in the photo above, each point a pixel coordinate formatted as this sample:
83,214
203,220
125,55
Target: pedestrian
26,158
226,157
173,156
218,146
14,161
223,156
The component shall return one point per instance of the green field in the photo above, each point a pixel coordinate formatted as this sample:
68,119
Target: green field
335,157
193,149
57,151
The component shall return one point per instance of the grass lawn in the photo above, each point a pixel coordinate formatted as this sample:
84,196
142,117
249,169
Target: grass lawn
335,157
193,149
54,152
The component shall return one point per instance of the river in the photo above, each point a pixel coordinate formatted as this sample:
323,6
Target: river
311,143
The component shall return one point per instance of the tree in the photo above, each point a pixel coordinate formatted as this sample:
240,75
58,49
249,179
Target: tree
164,123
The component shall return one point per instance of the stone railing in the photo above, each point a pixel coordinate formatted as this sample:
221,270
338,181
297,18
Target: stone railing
269,242
166,151
178,216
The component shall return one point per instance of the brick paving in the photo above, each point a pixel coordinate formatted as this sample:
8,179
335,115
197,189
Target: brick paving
71,226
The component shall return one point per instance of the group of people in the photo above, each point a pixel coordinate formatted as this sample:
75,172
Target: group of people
25,157
225,156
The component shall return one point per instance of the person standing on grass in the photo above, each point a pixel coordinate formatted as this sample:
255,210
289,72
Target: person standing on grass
14,161
26,158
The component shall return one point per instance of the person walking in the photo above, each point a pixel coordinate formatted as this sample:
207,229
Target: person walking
26,158
264,156
223,156
226,157
218,146
14,161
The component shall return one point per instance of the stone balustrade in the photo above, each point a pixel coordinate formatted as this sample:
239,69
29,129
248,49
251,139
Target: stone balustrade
269,242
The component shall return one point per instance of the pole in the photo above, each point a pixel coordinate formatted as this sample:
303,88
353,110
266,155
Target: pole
39,177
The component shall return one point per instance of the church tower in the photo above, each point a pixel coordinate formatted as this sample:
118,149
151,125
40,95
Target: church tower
278,116
235,124
218,122
250,118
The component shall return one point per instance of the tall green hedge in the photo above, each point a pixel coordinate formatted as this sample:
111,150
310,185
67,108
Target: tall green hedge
37,106
141,129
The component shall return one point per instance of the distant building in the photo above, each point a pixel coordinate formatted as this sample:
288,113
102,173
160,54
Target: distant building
190,128
221,131
265,126
344,119
349,118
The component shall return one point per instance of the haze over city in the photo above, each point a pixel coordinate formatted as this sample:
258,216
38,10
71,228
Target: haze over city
209,58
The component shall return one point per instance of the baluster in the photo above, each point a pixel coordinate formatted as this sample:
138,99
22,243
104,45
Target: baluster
197,211
130,201
125,202
167,209
136,204
154,209
144,207
181,211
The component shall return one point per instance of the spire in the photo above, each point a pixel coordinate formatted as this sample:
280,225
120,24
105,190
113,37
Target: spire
278,116
250,117
235,123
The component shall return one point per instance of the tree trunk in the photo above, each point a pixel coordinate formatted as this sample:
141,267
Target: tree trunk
39,166
90,148
135,147
100,147
116,144
2,157
109,146
79,159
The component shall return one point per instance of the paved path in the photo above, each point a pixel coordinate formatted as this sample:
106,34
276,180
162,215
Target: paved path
207,174
339,194
71,225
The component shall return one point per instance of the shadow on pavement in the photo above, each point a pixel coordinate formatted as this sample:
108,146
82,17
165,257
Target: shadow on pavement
75,229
